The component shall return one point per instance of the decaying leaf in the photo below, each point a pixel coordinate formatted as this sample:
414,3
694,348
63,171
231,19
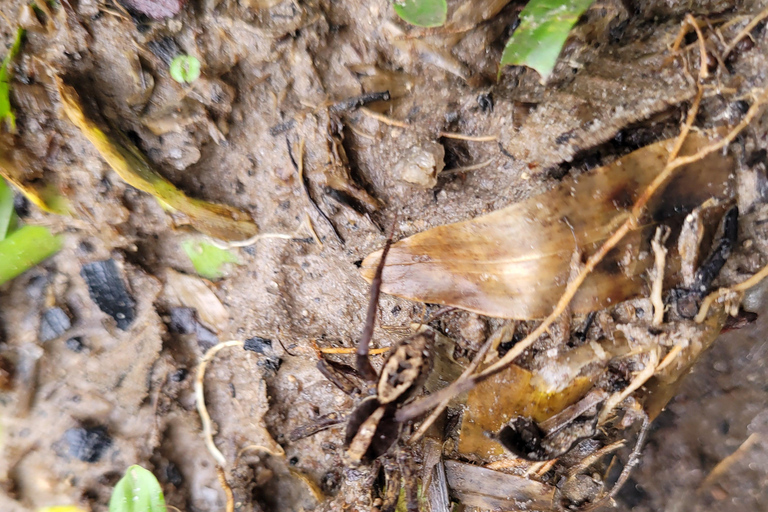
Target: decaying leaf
217,220
515,262
494,490
191,292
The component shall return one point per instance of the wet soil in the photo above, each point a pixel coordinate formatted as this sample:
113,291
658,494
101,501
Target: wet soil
82,406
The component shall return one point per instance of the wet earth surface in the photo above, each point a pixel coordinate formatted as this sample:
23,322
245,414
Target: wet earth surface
89,387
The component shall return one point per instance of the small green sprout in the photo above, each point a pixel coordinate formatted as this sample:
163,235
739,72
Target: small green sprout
137,491
422,13
208,259
544,28
185,69
6,112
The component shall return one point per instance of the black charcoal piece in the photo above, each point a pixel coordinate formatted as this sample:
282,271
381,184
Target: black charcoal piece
258,344
107,290
54,323
88,444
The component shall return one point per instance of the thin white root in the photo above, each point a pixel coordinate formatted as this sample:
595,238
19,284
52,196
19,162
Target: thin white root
640,379
205,418
739,288
660,253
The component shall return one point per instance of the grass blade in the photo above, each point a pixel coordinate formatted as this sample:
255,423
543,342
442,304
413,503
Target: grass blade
25,248
544,28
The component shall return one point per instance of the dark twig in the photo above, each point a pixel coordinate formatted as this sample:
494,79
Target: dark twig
359,101
363,363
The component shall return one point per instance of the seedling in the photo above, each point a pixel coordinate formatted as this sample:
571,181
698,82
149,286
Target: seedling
185,69
137,491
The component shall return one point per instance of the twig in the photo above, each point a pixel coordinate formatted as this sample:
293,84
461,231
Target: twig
744,32
634,458
205,418
470,138
230,507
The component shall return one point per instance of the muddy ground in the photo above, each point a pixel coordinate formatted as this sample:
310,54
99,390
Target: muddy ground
270,71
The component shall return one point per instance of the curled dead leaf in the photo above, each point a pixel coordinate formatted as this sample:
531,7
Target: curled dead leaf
192,292
515,262
216,220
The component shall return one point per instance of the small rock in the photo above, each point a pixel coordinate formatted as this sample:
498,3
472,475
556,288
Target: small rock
88,444
75,344
155,9
420,165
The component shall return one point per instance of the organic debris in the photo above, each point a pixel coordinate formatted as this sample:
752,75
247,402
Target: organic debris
6,111
126,160
514,263
107,290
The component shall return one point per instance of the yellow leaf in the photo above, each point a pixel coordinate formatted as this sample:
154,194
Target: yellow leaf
216,220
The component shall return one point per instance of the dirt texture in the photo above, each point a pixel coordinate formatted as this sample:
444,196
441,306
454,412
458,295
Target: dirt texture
81,405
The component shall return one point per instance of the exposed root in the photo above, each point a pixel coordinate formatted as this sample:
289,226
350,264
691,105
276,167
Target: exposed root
722,292
729,461
639,379
470,138
660,254
384,119
669,357
468,168
230,506
205,418
317,493
745,32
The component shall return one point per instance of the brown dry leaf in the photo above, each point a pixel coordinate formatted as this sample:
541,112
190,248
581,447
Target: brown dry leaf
514,263
192,292
216,220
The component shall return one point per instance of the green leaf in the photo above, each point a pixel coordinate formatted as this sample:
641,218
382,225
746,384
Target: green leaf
6,112
25,248
137,491
7,213
185,69
208,259
543,30
422,13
